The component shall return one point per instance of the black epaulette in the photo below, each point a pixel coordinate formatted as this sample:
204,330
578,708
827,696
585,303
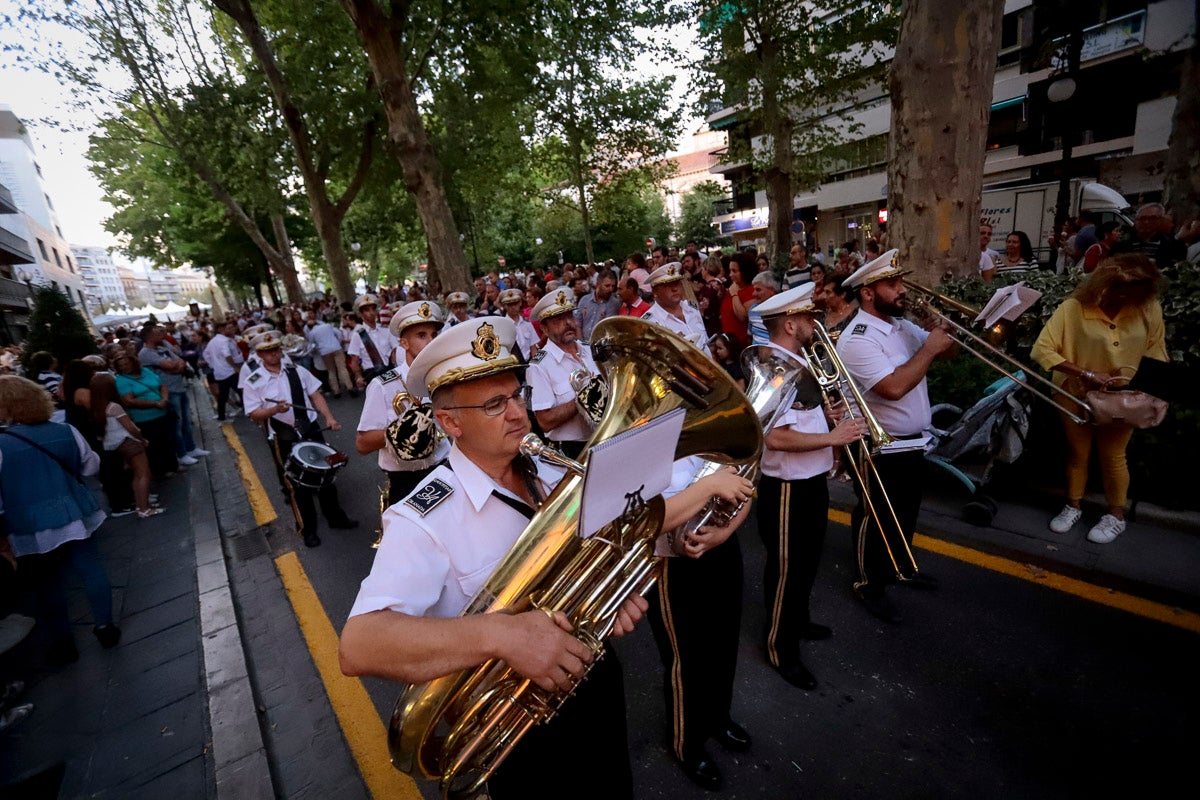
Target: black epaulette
252,363
389,376
429,496
537,359
859,329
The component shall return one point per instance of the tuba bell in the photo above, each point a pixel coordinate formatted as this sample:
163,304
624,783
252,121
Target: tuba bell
457,729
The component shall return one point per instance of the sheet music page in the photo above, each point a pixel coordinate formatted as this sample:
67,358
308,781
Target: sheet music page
1008,303
635,462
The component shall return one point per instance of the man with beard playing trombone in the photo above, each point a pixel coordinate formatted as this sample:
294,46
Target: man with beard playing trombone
889,357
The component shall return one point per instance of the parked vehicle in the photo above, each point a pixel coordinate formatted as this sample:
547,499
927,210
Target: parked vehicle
1031,208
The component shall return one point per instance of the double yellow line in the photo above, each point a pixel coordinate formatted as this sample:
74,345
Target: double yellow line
365,731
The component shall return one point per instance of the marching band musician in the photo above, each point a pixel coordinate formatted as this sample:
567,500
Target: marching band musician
414,325
670,311
254,362
549,375
793,496
888,356
511,301
440,545
371,344
287,401
696,617
459,304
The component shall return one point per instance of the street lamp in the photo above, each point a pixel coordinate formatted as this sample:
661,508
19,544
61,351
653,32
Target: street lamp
1060,92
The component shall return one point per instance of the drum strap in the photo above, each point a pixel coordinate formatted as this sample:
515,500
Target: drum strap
376,360
304,422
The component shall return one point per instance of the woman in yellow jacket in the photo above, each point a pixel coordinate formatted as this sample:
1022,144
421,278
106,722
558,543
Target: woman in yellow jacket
1102,331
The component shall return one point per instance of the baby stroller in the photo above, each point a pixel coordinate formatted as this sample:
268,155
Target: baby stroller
993,430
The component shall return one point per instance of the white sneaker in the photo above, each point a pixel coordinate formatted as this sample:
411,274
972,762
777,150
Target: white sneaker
197,453
188,461
1107,529
1066,519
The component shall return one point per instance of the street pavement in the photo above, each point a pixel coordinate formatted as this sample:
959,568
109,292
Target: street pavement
224,683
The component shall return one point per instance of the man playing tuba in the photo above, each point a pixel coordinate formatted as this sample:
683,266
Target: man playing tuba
439,547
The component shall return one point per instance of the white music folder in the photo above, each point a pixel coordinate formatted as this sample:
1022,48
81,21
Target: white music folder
1008,303
635,465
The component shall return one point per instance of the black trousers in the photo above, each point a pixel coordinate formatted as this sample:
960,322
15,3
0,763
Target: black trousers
549,762
224,387
792,518
302,498
696,615
903,476
116,480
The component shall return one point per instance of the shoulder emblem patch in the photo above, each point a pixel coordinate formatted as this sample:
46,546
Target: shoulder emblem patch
860,328
252,363
429,496
389,376
254,376
537,358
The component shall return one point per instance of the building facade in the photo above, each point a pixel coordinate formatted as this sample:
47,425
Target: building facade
101,281
1118,121
36,222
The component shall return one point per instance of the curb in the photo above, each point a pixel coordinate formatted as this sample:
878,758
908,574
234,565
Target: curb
239,755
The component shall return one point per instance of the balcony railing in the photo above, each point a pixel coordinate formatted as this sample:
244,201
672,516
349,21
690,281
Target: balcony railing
14,294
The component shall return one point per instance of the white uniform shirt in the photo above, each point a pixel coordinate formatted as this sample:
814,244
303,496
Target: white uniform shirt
264,388
690,328
872,349
791,466
527,337
253,363
549,376
377,414
218,348
441,543
385,343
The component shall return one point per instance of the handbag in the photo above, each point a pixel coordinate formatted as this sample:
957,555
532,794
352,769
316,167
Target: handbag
1119,404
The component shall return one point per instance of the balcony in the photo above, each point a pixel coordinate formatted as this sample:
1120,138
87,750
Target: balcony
14,294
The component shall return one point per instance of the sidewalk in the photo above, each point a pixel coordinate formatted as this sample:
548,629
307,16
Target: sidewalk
137,721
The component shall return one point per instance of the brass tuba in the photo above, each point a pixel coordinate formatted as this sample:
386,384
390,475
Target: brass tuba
457,729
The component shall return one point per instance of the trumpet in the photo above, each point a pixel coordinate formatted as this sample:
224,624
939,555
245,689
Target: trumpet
1017,372
836,386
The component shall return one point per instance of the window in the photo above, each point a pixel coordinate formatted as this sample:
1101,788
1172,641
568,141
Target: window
70,266
57,260
42,247
49,204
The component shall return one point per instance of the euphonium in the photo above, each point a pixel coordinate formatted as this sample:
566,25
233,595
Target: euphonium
773,377
457,729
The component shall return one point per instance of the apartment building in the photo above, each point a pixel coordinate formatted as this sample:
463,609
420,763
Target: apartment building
101,281
1118,121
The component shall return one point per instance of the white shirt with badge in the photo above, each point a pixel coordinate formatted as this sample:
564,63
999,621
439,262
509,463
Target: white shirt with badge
549,378
527,337
255,363
691,327
442,542
872,349
377,414
265,388
215,354
384,342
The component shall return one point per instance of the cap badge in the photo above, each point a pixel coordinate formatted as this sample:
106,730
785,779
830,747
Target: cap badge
487,344
561,299
671,272
423,311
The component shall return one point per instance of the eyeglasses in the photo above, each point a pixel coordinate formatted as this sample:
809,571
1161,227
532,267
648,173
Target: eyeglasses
498,404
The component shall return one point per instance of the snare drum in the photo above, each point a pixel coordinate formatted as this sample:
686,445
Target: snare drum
313,465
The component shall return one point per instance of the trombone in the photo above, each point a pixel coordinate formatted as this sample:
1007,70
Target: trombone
1019,374
834,382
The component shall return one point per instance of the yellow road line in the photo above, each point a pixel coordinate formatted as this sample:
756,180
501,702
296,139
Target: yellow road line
1160,612
360,722
264,512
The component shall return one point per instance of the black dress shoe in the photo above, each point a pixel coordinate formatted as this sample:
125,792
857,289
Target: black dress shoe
921,581
879,606
795,673
733,737
815,633
702,771
312,540
345,523
107,635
